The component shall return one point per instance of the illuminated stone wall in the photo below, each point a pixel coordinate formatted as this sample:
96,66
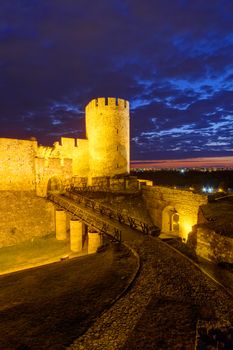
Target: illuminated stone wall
24,216
32,170
63,161
54,170
212,246
116,184
77,150
159,199
107,128
17,166
25,166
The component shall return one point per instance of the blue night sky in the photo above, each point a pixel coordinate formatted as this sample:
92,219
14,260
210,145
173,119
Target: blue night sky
172,59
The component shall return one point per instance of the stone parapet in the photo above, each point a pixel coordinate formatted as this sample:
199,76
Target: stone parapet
212,246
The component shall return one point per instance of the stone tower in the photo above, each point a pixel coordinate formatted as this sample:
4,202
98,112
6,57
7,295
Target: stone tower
107,128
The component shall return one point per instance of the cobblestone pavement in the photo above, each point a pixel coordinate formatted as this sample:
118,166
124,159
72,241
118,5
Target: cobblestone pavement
162,309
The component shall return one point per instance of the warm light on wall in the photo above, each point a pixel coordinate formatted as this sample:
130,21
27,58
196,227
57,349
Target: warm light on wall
186,227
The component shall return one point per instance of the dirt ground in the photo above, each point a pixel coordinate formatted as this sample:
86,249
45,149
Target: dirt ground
48,307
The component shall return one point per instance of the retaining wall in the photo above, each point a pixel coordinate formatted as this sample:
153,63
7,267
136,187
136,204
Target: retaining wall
24,216
213,246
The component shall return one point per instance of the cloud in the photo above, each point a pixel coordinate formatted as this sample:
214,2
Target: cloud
171,59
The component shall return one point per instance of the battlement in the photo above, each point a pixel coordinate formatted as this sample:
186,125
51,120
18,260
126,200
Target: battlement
68,142
11,142
107,102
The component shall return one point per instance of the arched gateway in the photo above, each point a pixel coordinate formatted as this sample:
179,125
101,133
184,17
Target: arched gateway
54,185
170,220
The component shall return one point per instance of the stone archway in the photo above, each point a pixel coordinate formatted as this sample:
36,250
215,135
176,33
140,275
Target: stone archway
54,185
175,222
170,220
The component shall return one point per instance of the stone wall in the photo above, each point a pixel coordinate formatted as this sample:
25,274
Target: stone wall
116,184
17,167
127,204
52,169
213,246
142,182
77,150
78,181
24,216
26,167
158,199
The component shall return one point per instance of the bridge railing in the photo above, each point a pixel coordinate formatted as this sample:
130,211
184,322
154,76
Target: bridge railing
101,188
90,189
97,223
112,214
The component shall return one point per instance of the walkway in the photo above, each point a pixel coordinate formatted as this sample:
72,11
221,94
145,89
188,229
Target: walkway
168,302
218,273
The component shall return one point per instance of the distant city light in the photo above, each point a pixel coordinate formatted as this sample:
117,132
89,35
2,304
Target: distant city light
207,189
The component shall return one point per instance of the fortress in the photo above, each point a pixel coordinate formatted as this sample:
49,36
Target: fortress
26,166
29,171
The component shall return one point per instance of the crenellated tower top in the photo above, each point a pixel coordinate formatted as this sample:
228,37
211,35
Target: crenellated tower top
107,102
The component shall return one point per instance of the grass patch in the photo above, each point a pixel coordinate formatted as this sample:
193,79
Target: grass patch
32,253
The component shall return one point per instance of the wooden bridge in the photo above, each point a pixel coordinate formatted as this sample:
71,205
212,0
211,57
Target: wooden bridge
106,220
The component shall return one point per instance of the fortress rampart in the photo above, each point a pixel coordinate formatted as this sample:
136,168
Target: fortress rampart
26,166
29,171
17,164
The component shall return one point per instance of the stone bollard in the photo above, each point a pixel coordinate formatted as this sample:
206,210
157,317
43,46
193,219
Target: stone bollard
60,222
76,235
94,241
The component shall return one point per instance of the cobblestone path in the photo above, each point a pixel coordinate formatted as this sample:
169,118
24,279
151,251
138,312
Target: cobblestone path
162,308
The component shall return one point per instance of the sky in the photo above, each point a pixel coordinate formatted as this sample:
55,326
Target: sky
202,162
172,59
